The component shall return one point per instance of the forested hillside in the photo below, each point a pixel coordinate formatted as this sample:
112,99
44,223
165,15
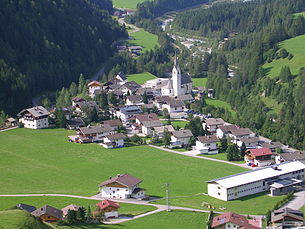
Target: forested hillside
45,45
255,30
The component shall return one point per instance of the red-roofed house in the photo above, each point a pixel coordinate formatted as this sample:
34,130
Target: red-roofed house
232,220
108,208
259,157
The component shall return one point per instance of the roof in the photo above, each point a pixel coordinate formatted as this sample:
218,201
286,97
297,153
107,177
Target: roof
37,111
186,97
48,210
160,129
90,104
227,128
258,174
112,123
260,152
153,123
131,85
281,183
10,120
214,121
176,103
169,84
124,179
147,117
116,136
121,75
71,207
185,79
95,129
135,98
300,155
208,139
26,207
76,122
133,109
241,132
182,133
107,203
272,145
250,140
279,215
234,218
94,83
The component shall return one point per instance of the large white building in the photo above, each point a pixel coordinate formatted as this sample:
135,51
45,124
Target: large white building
255,181
34,118
178,84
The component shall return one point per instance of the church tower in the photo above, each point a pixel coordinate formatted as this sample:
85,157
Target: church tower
176,78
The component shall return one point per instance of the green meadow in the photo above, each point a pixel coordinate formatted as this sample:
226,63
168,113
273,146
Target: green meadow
176,123
294,46
141,78
272,104
221,104
199,82
43,161
145,39
126,4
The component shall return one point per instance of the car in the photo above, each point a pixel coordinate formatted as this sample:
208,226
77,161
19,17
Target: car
253,165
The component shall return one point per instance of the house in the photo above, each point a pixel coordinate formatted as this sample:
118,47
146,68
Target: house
233,220
91,134
25,207
185,98
213,124
11,122
121,77
251,142
129,88
225,130
159,101
148,126
174,106
84,106
240,133
70,207
210,93
284,186
259,157
292,156
34,118
272,145
159,130
48,214
77,100
287,218
114,124
254,181
207,144
134,100
114,141
108,208
140,118
181,136
75,123
92,87
122,187
127,112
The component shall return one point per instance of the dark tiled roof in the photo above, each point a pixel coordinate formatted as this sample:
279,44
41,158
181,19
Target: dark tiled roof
154,123
300,155
176,103
116,136
182,133
112,123
208,139
95,129
185,79
227,128
26,207
241,131
214,121
135,98
124,179
76,122
48,210
147,117
35,111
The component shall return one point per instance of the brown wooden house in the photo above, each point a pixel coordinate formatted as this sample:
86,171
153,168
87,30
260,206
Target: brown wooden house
48,214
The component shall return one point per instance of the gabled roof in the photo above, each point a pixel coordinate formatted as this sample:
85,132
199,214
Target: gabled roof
154,123
116,136
112,123
121,75
176,103
123,179
281,214
169,84
71,207
185,79
26,207
182,133
241,132
37,111
187,97
161,129
227,128
234,218
147,117
107,203
135,98
48,210
95,129
131,110
76,122
250,140
293,156
214,121
208,139
260,152
131,85
94,83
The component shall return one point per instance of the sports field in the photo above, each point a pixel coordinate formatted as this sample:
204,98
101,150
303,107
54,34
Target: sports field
141,78
43,161
126,4
145,39
294,46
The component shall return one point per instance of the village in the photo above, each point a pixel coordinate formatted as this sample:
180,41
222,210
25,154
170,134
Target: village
146,118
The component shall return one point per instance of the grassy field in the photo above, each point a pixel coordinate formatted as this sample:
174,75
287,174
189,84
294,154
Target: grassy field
126,4
221,104
176,123
61,202
43,161
222,156
145,39
272,104
298,14
141,78
294,46
199,82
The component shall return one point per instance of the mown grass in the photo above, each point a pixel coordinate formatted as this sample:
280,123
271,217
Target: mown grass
127,4
141,78
294,46
221,104
221,156
145,39
199,82
43,161
61,202
176,123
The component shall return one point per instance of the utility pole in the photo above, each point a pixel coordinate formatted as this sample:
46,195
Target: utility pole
167,198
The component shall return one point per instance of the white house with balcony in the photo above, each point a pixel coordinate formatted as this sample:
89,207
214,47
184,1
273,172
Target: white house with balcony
34,118
207,144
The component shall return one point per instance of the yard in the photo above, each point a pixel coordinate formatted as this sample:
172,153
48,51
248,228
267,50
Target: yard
176,123
43,161
141,78
126,4
145,39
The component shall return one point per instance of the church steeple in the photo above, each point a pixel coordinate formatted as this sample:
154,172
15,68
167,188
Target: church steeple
176,77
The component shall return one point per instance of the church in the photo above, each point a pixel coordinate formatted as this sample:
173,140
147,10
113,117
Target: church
178,84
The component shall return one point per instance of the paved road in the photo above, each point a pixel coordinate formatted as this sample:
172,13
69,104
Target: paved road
133,27
9,129
297,202
194,154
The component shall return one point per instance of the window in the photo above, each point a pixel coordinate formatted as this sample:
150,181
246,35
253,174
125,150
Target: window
218,194
118,189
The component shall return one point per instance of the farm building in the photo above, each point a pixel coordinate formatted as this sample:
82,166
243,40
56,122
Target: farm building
256,181
48,214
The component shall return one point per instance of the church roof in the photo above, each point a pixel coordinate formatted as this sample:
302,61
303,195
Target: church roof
169,84
185,79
